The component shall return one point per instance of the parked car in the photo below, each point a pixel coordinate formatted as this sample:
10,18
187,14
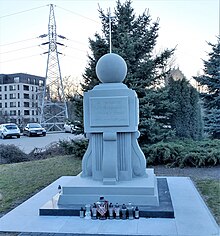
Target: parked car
34,129
9,130
69,128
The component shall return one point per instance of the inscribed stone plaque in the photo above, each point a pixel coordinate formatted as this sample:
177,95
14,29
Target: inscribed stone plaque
109,111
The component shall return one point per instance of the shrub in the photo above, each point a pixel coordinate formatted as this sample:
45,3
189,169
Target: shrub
203,153
11,154
184,153
53,149
75,147
163,153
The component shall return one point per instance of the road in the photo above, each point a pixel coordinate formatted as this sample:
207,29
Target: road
27,144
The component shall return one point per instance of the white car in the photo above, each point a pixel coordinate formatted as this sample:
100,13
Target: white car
9,130
69,128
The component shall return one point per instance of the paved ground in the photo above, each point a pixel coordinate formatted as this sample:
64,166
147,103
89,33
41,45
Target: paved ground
27,144
53,234
192,217
192,172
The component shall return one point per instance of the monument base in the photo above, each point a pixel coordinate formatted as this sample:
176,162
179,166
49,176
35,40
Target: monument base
150,194
139,191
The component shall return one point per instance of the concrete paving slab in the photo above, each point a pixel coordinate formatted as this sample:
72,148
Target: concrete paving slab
192,217
190,209
157,227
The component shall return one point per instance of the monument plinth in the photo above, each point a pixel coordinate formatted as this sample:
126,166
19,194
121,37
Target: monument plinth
114,165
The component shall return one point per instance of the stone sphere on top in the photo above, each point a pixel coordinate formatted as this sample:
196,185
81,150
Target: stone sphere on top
111,68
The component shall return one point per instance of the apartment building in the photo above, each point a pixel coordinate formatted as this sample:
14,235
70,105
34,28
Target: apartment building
20,98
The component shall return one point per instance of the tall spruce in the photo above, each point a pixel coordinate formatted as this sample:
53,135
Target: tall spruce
210,90
134,38
186,119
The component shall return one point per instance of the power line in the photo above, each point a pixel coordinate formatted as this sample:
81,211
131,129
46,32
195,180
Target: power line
75,41
77,49
16,13
73,58
19,49
78,14
20,58
6,44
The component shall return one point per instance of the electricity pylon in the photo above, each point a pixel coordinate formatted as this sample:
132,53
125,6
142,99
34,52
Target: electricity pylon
53,103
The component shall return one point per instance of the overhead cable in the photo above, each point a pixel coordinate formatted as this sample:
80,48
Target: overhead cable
19,49
78,14
20,58
6,44
16,13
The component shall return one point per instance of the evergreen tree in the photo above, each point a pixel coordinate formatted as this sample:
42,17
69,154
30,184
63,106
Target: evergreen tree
210,84
212,122
77,105
196,122
186,119
134,38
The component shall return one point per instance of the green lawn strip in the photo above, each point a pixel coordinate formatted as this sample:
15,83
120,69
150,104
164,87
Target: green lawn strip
210,190
21,180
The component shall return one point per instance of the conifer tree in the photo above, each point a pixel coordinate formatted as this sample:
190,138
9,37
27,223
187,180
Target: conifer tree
210,90
186,119
134,38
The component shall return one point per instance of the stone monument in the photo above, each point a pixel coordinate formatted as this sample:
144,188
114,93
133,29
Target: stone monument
114,165
111,124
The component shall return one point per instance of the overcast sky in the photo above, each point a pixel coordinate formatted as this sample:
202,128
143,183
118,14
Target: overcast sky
187,24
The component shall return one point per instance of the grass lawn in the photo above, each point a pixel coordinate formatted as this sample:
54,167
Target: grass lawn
210,190
21,180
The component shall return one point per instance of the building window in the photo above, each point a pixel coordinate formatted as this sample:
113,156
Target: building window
5,88
18,104
12,104
12,87
19,112
0,97
0,105
16,79
26,104
18,87
0,88
36,89
18,95
32,96
32,113
12,96
41,82
32,88
13,113
26,95
6,104
26,112
26,87
5,96
32,104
